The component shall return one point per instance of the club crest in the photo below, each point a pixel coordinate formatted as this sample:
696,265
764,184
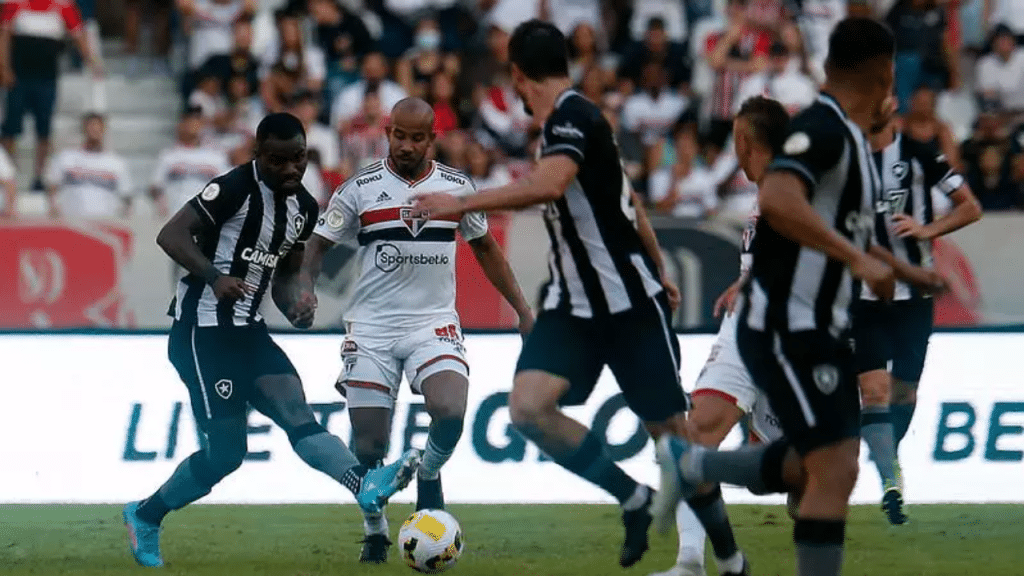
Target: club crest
413,220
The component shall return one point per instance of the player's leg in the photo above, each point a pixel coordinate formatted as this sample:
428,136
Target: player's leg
559,365
904,402
916,328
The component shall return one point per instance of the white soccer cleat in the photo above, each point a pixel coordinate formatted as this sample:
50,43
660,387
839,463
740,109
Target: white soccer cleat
688,569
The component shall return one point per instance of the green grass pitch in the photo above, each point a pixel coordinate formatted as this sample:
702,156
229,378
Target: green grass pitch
513,540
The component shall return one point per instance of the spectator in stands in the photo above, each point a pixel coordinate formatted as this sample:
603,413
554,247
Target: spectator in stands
31,39
1000,76
670,13
593,85
424,60
239,62
782,80
816,19
585,53
234,131
9,184
208,96
442,98
649,113
990,181
568,14
183,169
922,55
350,102
485,172
739,51
364,140
656,47
90,182
159,13
291,65
502,118
685,189
344,40
922,124
208,26
322,146
1009,13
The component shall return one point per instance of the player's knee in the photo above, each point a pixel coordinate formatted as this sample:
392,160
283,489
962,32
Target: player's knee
446,409
370,451
875,388
839,476
904,392
301,432
223,461
708,429
526,410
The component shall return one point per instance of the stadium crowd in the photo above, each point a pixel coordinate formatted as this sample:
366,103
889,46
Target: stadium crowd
669,75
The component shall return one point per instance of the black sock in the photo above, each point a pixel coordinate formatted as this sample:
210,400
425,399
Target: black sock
819,547
353,478
710,510
153,509
591,462
901,416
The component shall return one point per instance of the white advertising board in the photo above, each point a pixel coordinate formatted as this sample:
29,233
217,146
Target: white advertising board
105,419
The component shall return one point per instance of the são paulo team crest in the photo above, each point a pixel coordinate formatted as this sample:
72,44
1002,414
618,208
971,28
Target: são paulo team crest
414,221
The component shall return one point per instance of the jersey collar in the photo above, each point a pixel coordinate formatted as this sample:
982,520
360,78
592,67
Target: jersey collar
411,183
830,101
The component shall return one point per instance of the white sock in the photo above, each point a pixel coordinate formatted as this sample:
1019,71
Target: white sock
638,498
732,564
375,523
691,537
433,459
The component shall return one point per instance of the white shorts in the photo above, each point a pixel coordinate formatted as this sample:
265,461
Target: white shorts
724,375
373,363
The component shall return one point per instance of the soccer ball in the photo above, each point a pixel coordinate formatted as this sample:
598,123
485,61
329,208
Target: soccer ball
430,541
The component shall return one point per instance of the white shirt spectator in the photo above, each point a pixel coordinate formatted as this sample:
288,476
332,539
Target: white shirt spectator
7,174
1009,12
792,89
183,171
210,104
499,176
567,14
211,33
670,11
313,60
411,8
507,14
652,117
350,100
1004,78
325,141
504,116
696,191
817,19
90,184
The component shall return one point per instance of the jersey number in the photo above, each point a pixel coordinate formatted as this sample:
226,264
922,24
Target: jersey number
626,200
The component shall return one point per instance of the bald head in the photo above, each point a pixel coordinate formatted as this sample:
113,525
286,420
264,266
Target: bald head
410,135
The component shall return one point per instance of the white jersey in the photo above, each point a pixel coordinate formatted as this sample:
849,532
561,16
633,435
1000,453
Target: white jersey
407,262
182,171
89,184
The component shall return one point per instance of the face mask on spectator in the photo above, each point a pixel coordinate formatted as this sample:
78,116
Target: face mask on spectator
428,40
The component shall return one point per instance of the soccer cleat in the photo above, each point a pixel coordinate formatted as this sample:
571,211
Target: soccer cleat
745,571
669,450
375,549
429,495
143,537
381,483
892,505
682,570
636,522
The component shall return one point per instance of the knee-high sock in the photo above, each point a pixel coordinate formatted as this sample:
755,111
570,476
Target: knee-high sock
877,431
819,547
442,438
691,537
710,510
901,417
591,462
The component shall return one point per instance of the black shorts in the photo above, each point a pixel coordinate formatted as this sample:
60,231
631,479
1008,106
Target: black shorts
637,345
219,366
896,332
809,380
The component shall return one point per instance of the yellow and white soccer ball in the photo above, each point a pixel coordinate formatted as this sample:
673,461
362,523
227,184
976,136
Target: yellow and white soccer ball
430,541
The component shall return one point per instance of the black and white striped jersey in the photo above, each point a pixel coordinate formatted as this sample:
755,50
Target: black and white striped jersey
797,288
251,229
911,171
597,261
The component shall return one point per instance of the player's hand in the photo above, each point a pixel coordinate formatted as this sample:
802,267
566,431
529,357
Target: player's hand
926,280
437,204
7,77
525,324
877,275
672,291
904,225
727,300
229,288
303,310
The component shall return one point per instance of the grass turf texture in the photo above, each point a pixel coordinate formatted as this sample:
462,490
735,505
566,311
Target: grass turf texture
948,540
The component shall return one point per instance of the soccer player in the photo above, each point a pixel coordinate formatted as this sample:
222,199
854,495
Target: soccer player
815,218
402,315
608,302
251,225
725,391
891,340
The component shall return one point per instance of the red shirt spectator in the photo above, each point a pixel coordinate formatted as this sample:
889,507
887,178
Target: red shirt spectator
38,28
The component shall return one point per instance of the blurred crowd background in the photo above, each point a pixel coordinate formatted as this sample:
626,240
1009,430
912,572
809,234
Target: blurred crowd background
120,105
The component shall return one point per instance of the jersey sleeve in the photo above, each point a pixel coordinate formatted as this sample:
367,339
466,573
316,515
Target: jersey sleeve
810,150
565,132
311,210
218,202
473,225
161,172
340,221
124,179
938,174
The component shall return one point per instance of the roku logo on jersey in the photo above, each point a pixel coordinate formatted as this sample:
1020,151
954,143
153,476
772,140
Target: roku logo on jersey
368,179
454,179
389,258
257,256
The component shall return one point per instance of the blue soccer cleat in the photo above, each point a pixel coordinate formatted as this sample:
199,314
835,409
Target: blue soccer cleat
674,487
143,537
381,483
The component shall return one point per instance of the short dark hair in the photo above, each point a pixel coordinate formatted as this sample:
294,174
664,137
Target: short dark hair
191,110
89,116
539,50
280,125
857,41
768,120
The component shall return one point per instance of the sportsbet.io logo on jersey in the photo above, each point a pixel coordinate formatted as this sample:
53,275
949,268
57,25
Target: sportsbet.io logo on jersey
389,258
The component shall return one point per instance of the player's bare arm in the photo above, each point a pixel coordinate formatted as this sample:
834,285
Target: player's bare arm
925,279
304,304
650,242
966,210
727,300
784,206
286,292
177,239
546,183
496,267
